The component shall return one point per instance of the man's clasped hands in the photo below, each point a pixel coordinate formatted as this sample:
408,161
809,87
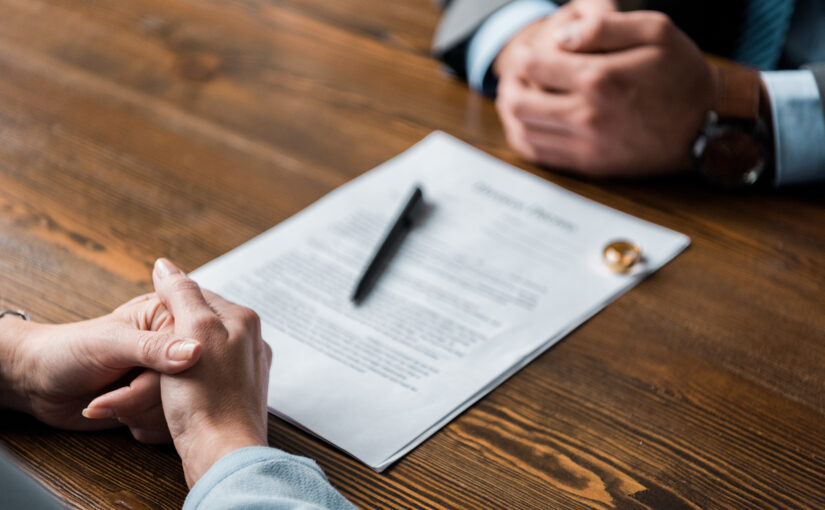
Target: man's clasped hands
181,364
603,93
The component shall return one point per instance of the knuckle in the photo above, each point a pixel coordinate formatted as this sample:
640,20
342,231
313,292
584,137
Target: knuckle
519,109
147,436
505,98
592,78
511,138
533,67
516,139
183,284
140,435
600,81
595,28
151,345
512,127
205,323
267,354
525,149
660,26
250,318
522,59
589,118
500,104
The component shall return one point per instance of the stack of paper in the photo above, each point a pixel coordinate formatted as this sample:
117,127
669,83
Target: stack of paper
503,266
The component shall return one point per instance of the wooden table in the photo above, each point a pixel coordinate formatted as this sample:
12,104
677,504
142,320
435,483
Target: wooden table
135,129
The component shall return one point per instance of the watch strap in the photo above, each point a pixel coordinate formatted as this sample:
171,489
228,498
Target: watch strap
737,92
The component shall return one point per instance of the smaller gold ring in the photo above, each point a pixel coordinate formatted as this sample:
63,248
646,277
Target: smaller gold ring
621,256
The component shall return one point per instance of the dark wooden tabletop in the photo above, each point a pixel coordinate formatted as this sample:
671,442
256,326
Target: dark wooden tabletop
182,128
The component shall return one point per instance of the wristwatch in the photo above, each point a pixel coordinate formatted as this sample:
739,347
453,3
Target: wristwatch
735,146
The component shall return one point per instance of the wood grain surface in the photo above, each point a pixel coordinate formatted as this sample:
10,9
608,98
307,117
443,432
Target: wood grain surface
182,128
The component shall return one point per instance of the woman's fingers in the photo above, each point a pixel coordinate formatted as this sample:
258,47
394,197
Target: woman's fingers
233,315
148,426
152,436
138,406
137,299
182,297
142,394
160,351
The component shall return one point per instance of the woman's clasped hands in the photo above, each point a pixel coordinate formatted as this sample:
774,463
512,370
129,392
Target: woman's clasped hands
181,364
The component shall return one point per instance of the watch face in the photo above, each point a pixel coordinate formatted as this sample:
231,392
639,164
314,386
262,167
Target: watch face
732,158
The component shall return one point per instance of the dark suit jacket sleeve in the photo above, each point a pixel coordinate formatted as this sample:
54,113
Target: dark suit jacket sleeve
460,20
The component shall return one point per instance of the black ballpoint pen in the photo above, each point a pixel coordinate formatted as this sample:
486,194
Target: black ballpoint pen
402,225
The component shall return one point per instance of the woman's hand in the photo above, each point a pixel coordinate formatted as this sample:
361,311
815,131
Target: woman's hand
53,371
219,405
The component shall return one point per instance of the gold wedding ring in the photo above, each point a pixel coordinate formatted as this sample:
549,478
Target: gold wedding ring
621,256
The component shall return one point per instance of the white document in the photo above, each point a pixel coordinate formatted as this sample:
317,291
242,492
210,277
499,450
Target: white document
503,266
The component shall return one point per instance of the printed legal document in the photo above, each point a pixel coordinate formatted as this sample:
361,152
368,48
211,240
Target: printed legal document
502,265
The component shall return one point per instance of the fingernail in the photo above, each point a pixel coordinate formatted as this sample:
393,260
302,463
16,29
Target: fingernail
569,35
98,413
183,350
164,268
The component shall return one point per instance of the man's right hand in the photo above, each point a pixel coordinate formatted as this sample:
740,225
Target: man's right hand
219,405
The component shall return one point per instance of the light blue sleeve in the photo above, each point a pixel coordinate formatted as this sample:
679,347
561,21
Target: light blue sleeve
19,490
495,32
798,126
264,478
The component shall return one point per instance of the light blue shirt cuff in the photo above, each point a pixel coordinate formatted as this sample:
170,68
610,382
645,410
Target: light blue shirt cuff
259,477
798,126
496,31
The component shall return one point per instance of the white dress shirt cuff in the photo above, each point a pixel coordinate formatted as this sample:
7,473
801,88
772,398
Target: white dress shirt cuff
798,126
496,31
